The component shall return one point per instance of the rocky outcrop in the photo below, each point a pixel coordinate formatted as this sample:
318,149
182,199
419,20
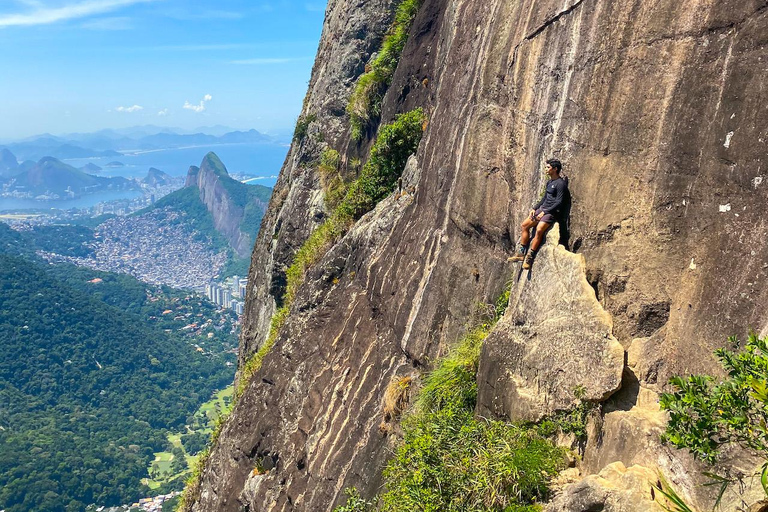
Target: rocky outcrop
615,489
216,192
553,347
156,177
657,110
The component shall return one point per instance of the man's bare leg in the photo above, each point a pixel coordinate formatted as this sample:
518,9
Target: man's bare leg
525,238
538,239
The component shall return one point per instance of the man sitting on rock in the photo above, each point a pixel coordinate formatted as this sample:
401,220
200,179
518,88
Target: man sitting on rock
547,211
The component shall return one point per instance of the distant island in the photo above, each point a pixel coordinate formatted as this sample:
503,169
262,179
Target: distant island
90,168
114,164
50,178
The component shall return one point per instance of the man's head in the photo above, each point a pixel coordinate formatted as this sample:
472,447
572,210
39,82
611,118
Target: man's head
554,167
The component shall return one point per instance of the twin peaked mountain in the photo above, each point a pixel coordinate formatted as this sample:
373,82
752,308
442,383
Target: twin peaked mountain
236,209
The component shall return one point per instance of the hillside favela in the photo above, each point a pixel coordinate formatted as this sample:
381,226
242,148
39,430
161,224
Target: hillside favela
384,256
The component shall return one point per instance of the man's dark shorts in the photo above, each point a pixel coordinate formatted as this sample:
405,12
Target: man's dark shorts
548,217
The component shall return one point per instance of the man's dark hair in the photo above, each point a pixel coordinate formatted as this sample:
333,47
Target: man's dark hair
556,164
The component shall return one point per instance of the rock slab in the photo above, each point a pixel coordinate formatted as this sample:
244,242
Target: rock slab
553,346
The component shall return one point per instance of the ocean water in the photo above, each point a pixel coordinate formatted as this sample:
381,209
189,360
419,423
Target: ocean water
260,161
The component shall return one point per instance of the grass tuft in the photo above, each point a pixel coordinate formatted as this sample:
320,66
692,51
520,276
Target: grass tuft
365,101
451,461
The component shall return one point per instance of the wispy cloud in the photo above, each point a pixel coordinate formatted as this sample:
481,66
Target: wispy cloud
199,107
134,108
269,60
116,23
42,14
186,14
163,112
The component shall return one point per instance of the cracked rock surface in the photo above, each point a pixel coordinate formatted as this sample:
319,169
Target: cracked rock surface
553,346
657,109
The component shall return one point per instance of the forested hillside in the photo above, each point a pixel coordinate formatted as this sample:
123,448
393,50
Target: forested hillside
94,367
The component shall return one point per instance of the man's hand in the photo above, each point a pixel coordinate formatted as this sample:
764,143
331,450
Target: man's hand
540,216
532,215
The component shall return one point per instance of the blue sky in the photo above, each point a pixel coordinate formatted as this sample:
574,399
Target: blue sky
83,65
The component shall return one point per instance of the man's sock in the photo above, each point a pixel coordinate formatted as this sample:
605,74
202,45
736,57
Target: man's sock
523,249
532,254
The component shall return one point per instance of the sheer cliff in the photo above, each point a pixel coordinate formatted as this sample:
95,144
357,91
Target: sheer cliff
657,110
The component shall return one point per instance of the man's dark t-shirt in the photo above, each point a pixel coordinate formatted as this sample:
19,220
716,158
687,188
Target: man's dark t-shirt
554,198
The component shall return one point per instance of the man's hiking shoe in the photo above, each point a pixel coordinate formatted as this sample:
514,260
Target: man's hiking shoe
517,257
528,261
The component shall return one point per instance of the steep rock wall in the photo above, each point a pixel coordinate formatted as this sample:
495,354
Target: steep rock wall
654,106
227,215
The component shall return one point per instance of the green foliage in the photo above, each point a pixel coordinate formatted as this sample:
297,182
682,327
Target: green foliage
389,154
235,266
704,415
355,503
254,362
365,102
394,144
194,442
451,461
302,126
66,240
573,421
672,501
171,505
333,186
90,381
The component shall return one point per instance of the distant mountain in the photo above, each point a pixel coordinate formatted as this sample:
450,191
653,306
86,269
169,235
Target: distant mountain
8,164
156,177
217,130
56,147
90,167
114,164
52,175
237,208
170,140
111,143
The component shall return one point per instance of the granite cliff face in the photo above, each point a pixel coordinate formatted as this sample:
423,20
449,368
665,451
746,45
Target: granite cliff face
657,110
217,191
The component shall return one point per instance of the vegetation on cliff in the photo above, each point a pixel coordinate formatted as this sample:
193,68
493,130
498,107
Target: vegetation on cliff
379,177
389,154
449,460
452,461
365,102
705,415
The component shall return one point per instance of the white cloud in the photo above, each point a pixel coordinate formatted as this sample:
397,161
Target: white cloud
267,61
42,15
163,112
134,108
200,107
115,23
